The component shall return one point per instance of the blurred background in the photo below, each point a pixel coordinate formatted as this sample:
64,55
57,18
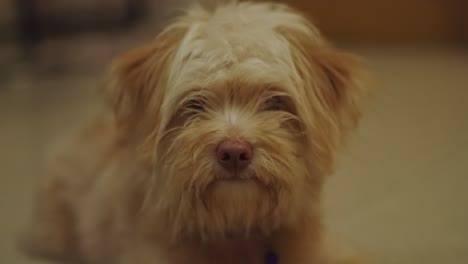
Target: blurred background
401,188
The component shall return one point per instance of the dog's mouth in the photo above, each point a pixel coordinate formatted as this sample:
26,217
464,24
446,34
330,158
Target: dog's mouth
234,185
234,181
240,206
237,177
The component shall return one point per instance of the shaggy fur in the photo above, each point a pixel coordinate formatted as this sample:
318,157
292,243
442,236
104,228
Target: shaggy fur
142,185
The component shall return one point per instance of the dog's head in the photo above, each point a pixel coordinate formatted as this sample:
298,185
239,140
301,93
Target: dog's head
239,111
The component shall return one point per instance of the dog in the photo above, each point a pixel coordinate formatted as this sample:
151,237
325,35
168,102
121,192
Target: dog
214,146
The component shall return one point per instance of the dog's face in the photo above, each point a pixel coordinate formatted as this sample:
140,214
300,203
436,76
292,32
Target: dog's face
240,111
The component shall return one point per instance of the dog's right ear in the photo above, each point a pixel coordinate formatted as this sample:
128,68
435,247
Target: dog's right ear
137,79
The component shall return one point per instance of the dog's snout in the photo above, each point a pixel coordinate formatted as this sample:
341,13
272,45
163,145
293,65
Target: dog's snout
234,155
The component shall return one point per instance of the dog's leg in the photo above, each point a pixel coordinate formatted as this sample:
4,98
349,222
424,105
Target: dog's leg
71,170
337,251
52,233
142,253
350,260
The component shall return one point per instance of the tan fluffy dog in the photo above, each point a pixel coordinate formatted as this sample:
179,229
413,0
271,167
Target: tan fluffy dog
222,131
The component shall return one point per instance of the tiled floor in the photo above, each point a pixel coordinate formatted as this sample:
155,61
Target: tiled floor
401,190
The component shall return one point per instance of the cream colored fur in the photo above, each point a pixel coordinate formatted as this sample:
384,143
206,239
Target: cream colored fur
141,184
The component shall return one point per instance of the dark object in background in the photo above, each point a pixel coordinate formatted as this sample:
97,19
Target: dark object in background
390,21
39,19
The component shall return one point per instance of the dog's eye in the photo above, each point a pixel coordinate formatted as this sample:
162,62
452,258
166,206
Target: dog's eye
197,105
274,103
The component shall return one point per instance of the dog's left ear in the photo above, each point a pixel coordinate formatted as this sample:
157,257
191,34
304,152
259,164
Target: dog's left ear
334,91
331,85
339,76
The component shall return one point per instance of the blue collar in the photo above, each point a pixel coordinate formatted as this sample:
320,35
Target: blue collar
271,258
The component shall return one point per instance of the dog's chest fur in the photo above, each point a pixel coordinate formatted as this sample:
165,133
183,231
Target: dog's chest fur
286,249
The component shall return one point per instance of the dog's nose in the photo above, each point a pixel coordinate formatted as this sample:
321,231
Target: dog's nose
234,155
